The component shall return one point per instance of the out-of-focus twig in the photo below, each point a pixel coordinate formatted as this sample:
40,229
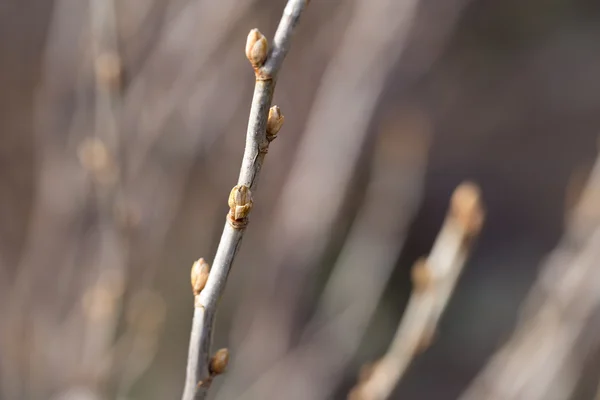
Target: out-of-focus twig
99,157
263,126
558,327
434,280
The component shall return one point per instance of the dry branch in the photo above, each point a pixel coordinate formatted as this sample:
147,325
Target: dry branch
434,280
263,124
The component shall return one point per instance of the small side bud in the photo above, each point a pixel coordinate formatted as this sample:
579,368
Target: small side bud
200,271
240,202
218,362
421,276
274,122
256,48
466,207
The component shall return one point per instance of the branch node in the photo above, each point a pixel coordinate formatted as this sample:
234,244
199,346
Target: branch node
197,302
204,384
263,149
466,207
262,76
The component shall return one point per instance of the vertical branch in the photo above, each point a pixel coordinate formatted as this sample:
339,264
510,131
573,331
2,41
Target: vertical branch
434,280
263,126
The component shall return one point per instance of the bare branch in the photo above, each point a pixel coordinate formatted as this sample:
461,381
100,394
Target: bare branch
266,67
558,329
434,280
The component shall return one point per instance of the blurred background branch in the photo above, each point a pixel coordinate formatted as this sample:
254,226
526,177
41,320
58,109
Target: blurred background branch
434,279
558,328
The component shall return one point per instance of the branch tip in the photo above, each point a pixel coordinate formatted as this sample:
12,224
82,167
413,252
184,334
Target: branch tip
466,207
274,122
257,48
199,275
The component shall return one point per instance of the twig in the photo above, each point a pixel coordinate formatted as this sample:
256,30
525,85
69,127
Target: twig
263,126
434,279
559,326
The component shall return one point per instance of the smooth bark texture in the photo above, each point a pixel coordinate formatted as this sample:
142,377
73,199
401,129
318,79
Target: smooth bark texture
198,376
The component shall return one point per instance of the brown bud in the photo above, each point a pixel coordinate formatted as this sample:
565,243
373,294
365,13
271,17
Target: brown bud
274,122
240,202
200,271
256,48
421,275
466,207
218,362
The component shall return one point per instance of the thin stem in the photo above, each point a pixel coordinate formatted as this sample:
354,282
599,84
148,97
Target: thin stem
434,280
198,375
558,326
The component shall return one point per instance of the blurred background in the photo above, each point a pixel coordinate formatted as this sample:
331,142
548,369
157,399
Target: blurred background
122,128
